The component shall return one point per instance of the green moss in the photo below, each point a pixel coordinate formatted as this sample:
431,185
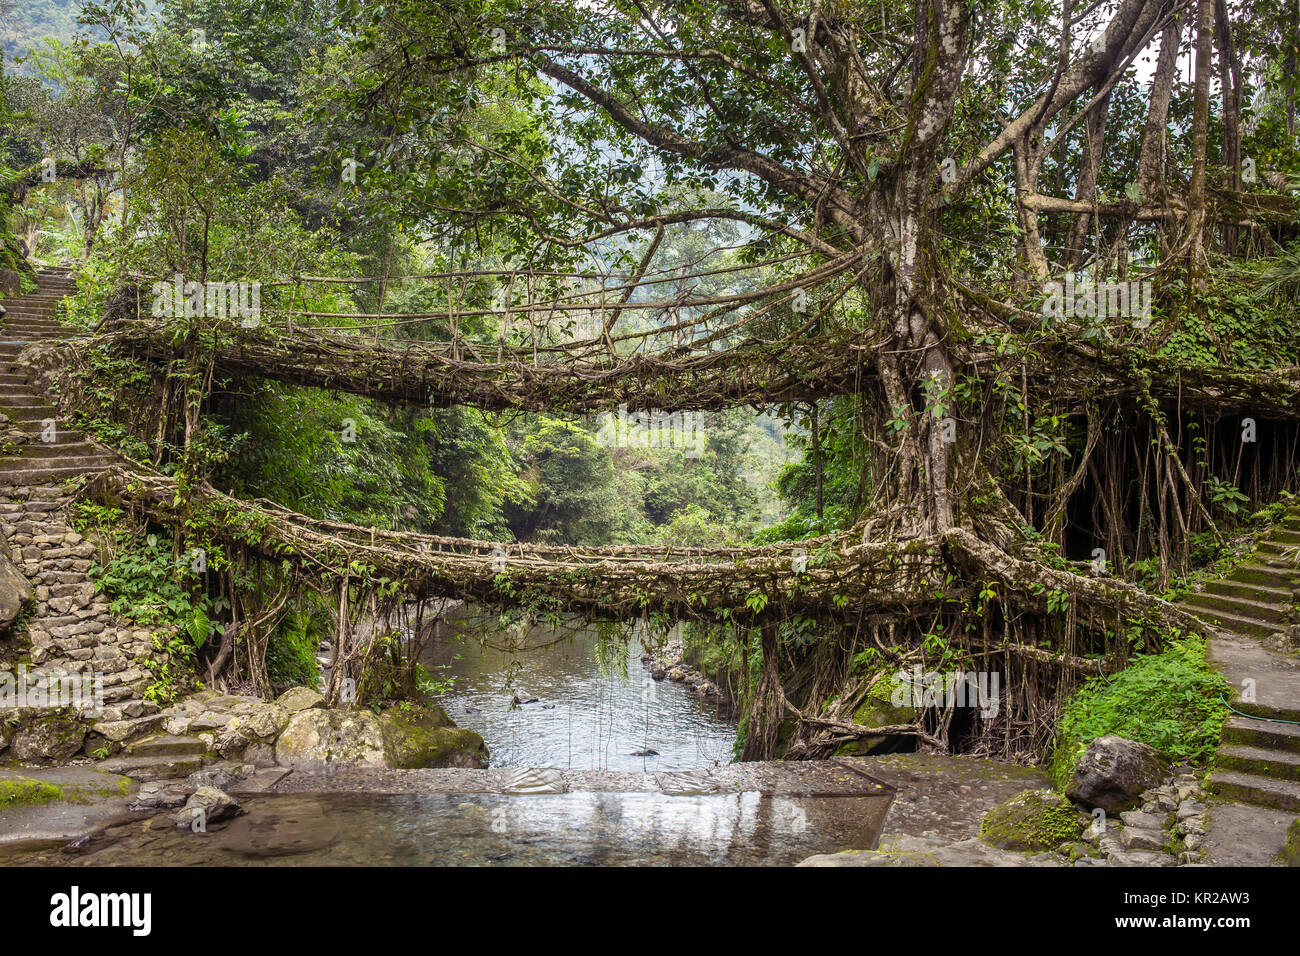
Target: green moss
877,710
1169,700
119,789
1291,849
417,736
1031,822
24,792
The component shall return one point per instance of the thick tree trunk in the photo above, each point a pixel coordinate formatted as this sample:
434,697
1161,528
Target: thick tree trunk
1197,261
1151,161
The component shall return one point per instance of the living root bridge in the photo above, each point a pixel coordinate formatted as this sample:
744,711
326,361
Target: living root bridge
753,372
617,583
833,578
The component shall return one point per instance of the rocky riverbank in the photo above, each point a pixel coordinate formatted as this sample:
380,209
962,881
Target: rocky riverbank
668,662
1123,808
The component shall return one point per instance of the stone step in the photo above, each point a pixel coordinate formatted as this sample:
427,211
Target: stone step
1234,623
1270,613
1249,592
34,427
146,769
1258,762
48,475
1274,678
11,399
167,745
39,450
1279,549
31,413
1260,791
1256,573
1263,734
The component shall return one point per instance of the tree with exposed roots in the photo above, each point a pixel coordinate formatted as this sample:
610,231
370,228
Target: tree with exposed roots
1022,237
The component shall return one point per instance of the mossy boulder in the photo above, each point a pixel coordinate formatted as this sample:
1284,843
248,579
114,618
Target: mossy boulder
878,710
54,737
320,739
403,737
417,736
1114,772
1291,848
1032,821
300,698
15,590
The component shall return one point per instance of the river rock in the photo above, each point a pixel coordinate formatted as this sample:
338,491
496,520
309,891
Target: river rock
909,850
523,697
416,736
209,805
319,739
161,795
1113,773
1142,838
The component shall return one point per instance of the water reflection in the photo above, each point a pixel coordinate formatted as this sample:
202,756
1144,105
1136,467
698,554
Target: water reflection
583,828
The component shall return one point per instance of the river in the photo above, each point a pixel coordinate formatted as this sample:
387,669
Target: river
590,714
596,706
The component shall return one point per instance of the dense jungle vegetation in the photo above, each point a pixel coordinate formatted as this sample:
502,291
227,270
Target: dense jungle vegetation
942,163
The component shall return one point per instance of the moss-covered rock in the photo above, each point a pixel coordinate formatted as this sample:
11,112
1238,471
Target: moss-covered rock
55,737
15,590
320,739
426,737
1291,848
878,710
1032,821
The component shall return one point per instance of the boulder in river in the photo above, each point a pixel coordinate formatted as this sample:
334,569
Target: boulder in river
523,697
416,736
406,736
1113,773
206,805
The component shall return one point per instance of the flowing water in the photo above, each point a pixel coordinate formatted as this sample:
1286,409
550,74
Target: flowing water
596,705
589,714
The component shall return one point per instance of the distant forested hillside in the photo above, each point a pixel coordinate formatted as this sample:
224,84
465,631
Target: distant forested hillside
25,22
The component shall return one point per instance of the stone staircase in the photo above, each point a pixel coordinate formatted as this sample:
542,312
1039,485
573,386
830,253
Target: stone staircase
71,629
1258,761
35,448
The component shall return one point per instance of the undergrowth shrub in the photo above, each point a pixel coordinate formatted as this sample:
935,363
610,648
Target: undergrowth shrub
1169,700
